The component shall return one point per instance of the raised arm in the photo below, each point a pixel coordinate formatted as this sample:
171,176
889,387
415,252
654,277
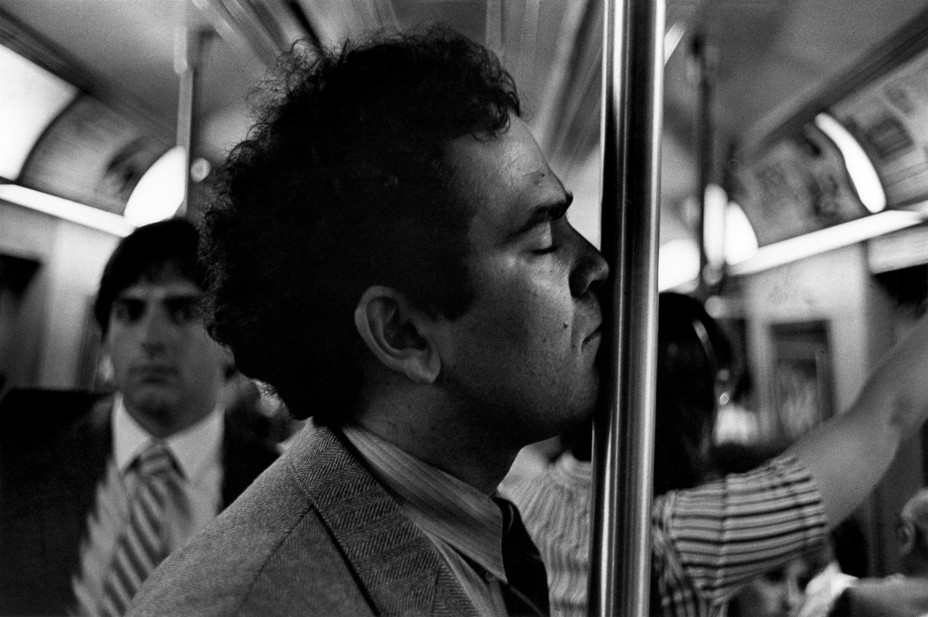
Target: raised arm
849,454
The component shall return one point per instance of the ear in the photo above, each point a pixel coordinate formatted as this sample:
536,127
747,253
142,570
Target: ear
397,334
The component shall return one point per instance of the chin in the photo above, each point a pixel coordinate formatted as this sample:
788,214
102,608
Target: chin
568,419
153,401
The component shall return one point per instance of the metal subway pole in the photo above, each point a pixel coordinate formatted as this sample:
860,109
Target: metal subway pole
708,273
188,50
623,445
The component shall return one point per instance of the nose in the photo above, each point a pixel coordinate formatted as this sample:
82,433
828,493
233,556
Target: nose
156,330
590,268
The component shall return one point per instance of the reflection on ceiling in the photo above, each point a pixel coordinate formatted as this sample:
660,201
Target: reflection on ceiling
765,69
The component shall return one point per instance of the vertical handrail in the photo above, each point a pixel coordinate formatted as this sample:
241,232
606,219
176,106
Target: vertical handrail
624,425
188,49
704,154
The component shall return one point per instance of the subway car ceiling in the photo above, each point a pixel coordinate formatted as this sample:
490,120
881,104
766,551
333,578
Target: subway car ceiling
807,117
802,116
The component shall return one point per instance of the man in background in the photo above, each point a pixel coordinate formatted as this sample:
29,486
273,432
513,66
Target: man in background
97,491
904,594
711,537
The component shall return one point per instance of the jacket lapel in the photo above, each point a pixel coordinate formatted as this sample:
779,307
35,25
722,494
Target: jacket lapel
55,487
397,564
89,447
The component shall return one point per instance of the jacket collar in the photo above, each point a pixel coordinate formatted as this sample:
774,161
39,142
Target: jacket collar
398,566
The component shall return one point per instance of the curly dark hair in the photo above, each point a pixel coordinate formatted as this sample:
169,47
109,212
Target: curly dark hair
341,185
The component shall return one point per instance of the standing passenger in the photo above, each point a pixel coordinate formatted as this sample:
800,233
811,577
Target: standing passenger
900,595
71,540
709,541
390,252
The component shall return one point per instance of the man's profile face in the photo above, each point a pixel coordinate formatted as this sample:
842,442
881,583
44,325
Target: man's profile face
524,352
167,367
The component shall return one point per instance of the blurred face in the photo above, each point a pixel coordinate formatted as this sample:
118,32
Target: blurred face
522,356
166,366
779,593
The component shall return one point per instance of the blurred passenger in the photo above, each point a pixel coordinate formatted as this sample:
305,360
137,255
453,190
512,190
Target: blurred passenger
709,541
900,595
91,505
912,531
805,586
694,368
695,373
262,415
825,587
780,592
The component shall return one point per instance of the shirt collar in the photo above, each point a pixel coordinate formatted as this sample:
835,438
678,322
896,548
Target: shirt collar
440,504
568,470
192,448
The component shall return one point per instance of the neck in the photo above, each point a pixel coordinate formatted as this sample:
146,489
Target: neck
162,423
443,439
580,441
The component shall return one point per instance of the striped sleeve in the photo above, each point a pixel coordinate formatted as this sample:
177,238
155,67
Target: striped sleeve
710,540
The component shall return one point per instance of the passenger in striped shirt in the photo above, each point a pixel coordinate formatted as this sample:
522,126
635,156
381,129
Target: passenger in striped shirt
708,541
782,591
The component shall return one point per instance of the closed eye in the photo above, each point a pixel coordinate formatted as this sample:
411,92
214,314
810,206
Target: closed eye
545,225
542,216
549,249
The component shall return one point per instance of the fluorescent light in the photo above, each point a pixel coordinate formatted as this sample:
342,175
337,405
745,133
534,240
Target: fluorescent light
672,39
678,263
30,98
828,239
713,224
160,192
65,209
740,240
859,167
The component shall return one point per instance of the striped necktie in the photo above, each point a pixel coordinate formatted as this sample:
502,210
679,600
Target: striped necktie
143,545
526,593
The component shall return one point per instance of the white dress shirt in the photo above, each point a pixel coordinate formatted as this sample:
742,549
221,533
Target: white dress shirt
197,453
465,525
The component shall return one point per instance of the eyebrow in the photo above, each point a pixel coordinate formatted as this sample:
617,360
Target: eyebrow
542,214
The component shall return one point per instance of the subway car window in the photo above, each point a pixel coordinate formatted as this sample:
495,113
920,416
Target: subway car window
791,262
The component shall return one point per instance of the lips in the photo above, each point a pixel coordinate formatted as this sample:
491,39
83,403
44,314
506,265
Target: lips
153,372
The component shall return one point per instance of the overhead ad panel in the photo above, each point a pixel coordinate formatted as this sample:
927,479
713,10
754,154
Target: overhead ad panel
890,119
798,186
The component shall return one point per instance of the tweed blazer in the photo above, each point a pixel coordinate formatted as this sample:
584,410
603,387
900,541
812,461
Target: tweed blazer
316,534
54,448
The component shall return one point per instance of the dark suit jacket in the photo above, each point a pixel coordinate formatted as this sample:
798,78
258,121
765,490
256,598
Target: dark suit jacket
895,596
54,448
315,535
